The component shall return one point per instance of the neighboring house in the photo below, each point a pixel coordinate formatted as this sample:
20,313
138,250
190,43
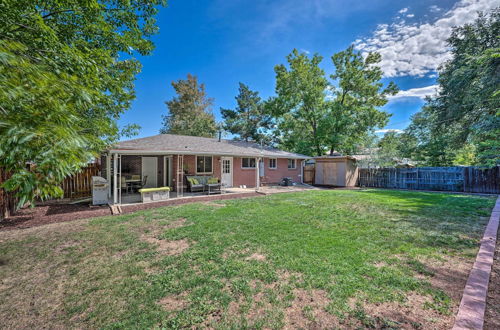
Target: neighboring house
165,159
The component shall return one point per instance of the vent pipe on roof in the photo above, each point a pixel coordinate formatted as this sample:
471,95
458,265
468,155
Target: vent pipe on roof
220,135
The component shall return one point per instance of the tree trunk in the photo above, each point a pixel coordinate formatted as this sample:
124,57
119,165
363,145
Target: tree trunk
7,202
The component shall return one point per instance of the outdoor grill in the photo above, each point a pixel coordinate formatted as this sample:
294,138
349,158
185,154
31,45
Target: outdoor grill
99,190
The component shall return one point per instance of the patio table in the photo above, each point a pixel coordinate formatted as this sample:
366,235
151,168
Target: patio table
130,183
213,188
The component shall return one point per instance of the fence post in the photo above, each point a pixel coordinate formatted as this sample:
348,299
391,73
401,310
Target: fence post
464,176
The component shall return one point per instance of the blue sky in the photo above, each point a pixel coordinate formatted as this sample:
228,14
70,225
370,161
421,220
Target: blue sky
224,42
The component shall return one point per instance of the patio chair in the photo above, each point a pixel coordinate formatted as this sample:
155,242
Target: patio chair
141,184
123,183
196,183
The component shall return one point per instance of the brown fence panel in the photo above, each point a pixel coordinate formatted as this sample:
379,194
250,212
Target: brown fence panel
80,184
461,179
309,172
482,180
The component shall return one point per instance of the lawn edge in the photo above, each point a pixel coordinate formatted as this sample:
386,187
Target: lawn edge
473,304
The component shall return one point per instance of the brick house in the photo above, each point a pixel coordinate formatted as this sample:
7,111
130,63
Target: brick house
165,160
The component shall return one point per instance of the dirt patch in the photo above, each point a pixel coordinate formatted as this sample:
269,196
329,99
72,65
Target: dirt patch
214,204
492,315
167,247
448,275
35,298
42,231
307,311
411,314
181,222
257,257
174,302
380,264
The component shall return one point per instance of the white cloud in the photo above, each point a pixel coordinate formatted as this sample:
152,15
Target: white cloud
305,51
420,92
410,15
434,9
419,48
402,11
387,130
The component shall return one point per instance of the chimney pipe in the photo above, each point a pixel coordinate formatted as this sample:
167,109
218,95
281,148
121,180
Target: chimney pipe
220,135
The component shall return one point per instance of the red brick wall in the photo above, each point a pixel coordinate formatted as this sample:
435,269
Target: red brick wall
275,175
246,177
190,164
240,176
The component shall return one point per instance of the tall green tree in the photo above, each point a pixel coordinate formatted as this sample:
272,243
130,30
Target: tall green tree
64,81
464,114
300,104
314,115
388,150
358,93
189,113
249,120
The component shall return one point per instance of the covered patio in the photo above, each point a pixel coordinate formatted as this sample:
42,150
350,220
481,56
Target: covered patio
128,172
167,166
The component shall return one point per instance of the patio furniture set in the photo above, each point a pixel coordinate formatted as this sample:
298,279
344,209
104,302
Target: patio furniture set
196,183
131,183
201,183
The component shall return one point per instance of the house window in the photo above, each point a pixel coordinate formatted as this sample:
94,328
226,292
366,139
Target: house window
203,164
292,164
272,163
248,163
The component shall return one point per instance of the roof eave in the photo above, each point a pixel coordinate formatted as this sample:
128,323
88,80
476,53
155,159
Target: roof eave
176,152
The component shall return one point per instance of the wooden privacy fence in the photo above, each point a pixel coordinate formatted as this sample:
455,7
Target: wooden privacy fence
309,172
462,179
80,184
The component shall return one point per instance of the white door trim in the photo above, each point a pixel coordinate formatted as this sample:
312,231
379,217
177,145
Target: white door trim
155,181
231,168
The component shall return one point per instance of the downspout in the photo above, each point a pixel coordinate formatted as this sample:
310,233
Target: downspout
115,178
257,173
302,171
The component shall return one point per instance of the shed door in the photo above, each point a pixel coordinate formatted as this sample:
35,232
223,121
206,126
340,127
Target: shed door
327,174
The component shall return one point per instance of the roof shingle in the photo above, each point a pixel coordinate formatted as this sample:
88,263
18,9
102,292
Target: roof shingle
183,144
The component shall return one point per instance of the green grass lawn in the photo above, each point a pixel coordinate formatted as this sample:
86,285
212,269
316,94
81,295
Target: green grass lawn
372,258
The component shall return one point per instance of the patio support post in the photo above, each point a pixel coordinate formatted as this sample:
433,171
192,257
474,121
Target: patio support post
108,172
115,178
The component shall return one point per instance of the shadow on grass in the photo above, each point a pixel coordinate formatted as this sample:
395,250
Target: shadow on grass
450,221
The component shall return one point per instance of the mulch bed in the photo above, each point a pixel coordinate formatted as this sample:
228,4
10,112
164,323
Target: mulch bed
52,213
